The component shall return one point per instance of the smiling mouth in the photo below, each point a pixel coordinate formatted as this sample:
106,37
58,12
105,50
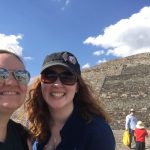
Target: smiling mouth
56,94
9,93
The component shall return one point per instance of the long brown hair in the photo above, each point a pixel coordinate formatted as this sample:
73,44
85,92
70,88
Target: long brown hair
39,115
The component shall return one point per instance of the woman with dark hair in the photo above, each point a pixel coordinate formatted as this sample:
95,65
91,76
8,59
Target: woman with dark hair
13,86
63,111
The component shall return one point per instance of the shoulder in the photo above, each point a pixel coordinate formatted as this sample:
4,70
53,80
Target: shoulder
144,130
22,130
17,125
17,134
13,123
98,128
128,116
99,135
98,125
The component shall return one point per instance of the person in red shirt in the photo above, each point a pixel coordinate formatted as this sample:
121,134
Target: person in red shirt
140,134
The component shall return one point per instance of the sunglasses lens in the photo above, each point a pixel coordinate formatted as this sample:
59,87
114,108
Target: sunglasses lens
3,73
48,78
22,76
66,77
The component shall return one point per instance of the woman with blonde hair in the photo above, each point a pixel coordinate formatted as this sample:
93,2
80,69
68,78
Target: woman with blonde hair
63,112
14,79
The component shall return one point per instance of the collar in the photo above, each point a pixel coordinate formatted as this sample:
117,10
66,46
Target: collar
71,131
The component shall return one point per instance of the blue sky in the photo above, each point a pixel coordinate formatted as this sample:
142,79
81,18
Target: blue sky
94,30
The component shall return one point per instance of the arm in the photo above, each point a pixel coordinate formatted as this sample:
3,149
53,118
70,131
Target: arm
127,123
135,133
146,133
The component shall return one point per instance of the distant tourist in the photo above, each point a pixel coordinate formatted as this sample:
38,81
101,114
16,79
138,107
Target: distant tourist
140,133
130,125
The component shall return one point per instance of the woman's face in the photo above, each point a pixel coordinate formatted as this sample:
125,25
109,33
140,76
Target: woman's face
58,95
12,93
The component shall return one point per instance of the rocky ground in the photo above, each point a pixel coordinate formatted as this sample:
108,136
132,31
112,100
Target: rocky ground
119,146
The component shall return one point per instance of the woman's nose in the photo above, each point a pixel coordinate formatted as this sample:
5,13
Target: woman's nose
57,82
11,79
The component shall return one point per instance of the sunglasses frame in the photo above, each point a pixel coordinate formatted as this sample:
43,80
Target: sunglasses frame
62,77
24,79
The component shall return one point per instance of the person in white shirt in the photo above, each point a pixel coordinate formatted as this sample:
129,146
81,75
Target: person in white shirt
130,125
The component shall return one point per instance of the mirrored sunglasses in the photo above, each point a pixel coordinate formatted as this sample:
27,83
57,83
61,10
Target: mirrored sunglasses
22,76
66,77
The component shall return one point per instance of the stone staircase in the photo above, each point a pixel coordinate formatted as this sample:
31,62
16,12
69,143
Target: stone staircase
122,84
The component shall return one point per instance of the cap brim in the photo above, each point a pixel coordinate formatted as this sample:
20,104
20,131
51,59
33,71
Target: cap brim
57,64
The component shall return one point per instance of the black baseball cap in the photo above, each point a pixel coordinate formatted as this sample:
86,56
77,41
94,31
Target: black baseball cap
65,59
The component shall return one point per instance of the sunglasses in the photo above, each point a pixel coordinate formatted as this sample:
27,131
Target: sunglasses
66,77
22,76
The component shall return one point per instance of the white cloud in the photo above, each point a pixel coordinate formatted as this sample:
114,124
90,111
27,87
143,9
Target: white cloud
56,0
63,8
86,66
10,43
101,61
28,58
98,53
63,3
126,37
67,2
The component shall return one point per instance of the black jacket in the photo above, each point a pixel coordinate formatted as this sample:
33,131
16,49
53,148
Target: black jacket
16,138
77,134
